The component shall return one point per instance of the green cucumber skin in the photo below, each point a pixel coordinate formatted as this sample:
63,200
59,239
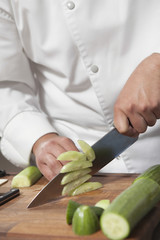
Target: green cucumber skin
98,210
73,205
71,208
31,174
69,177
152,173
135,202
85,221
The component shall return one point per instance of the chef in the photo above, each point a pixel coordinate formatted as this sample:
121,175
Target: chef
73,70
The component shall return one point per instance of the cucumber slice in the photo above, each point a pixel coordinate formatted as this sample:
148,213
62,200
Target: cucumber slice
74,184
104,203
26,177
98,210
85,221
69,177
71,156
123,214
86,187
76,165
72,206
116,227
87,149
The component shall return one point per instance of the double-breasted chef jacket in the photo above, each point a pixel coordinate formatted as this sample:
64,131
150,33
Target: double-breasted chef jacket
62,66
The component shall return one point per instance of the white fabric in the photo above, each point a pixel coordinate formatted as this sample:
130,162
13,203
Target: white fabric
62,66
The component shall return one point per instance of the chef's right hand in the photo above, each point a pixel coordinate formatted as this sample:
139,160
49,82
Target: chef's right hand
138,104
46,150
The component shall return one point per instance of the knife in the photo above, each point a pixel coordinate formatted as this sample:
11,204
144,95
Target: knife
106,149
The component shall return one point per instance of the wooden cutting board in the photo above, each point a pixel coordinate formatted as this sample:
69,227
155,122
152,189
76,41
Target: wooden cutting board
48,221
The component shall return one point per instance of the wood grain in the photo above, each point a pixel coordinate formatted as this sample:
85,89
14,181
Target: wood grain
48,221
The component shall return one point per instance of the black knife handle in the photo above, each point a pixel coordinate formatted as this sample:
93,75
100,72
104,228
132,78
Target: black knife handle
2,173
7,196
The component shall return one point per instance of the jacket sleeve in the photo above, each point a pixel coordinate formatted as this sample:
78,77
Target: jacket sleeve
21,120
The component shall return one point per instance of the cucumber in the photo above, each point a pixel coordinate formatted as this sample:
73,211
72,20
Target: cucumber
68,177
86,187
129,208
152,173
104,203
71,156
85,221
26,177
87,149
72,206
98,210
76,165
69,187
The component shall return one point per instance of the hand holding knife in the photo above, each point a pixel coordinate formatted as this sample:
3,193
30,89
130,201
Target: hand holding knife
106,149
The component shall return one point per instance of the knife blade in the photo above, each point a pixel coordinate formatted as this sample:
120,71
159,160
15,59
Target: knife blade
106,149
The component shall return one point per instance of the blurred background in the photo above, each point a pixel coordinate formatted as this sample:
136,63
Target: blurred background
7,166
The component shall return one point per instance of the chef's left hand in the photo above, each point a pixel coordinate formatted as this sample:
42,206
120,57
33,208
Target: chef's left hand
138,105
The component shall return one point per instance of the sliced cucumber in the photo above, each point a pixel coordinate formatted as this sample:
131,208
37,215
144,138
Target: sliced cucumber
98,210
85,221
71,156
123,214
76,165
87,149
69,187
72,206
104,203
152,173
69,177
86,187
114,226
26,177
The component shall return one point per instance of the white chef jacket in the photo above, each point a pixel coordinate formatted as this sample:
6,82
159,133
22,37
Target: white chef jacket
63,64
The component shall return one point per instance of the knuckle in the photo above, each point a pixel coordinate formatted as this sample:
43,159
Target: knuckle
155,61
143,108
130,108
65,140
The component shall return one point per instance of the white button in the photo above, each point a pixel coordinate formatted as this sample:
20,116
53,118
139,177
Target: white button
94,68
70,5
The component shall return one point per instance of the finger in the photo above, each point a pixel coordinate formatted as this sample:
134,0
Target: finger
68,144
149,118
54,165
138,122
56,150
156,112
45,170
123,125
